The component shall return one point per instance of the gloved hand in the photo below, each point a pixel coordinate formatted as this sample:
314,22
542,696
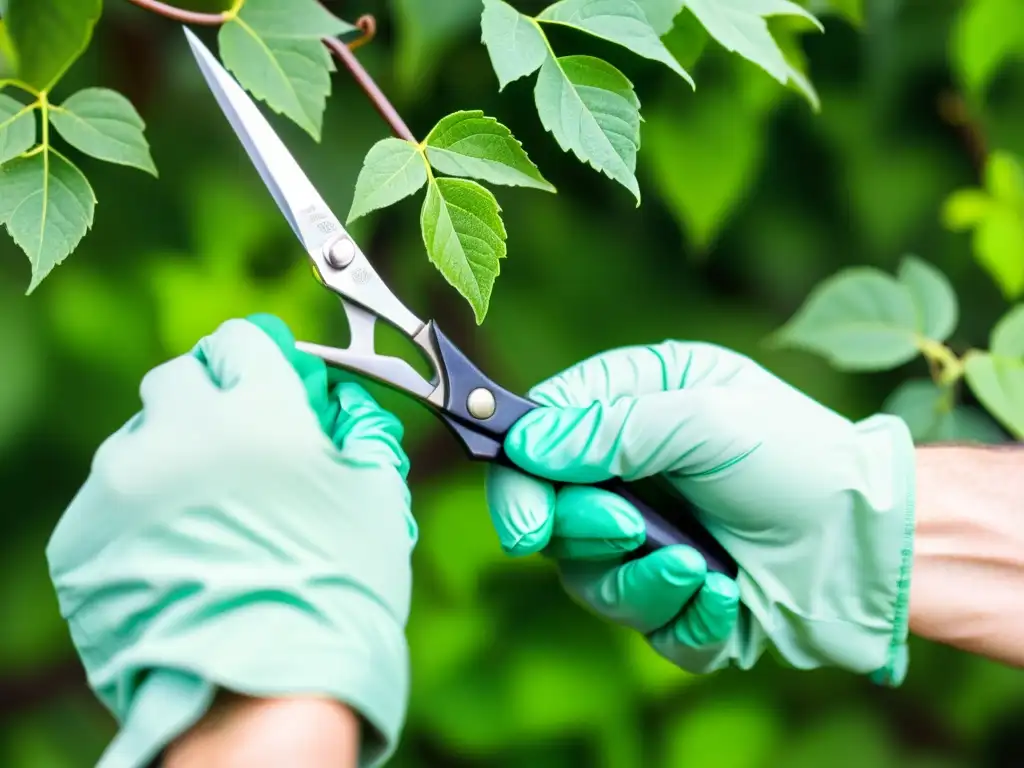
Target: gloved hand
232,536
816,510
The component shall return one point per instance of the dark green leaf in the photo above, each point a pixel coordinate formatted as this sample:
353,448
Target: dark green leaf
49,35
933,417
48,207
933,297
17,128
514,42
619,21
592,110
465,238
473,145
393,169
104,124
860,319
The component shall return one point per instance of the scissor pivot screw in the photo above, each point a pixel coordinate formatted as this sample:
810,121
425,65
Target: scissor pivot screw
481,404
340,253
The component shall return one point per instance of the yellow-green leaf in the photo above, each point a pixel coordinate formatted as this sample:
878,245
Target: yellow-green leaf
48,206
470,144
465,238
393,169
986,35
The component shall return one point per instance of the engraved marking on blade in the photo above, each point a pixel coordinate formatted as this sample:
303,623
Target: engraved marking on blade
481,404
361,276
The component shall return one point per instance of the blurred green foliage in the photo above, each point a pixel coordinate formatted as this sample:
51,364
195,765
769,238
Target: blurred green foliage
750,201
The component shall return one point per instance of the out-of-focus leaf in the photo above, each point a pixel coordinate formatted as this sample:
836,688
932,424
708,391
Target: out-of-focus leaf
1007,337
104,124
514,42
998,382
618,21
933,297
704,155
472,145
465,238
591,109
730,733
34,633
17,128
933,417
983,39
846,739
48,206
984,693
284,63
49,35
21,361
393,170
426,29
860,319
740,26
996,214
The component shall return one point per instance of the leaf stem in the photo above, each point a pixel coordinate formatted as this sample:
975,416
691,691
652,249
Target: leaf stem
946,367
373,92
186,17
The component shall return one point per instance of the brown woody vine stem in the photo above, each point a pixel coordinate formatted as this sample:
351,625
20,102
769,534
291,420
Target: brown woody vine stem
180,14
367,25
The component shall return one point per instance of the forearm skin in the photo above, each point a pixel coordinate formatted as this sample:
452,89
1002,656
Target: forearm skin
241,732
967,587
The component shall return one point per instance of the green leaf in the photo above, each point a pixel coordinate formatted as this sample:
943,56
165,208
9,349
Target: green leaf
471,144
618,21
661,14
740,26
514,42
984,38
704,156
996,214
592,110
393,169
49,35
17,128
741,733
465,238
104,124
1007,338
998,382
933,417
298,19
860,319
283,62
933,297
48,206
965,208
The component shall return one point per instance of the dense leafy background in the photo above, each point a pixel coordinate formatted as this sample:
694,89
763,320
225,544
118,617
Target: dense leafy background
750,200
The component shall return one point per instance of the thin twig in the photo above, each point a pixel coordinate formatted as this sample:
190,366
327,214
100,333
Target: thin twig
179,14
373,92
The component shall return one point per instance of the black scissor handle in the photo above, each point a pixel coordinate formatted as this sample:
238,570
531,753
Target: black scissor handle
480,413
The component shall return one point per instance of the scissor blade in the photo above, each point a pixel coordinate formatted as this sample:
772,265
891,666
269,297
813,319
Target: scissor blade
312,221
308,214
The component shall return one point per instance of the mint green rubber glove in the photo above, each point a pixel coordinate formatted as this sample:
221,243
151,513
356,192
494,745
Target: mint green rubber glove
816,510
231,536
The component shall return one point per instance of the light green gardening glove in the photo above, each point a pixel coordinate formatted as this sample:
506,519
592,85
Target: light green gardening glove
816,510
232,536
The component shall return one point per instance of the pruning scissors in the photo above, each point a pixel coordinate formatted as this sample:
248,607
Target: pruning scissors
476,410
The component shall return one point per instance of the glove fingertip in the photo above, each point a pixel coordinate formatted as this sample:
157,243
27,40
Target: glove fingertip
522,511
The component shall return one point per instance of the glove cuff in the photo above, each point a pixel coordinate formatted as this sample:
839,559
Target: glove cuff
341,644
